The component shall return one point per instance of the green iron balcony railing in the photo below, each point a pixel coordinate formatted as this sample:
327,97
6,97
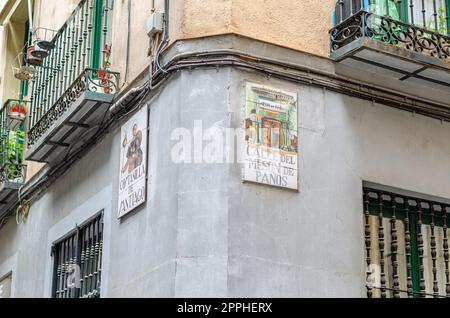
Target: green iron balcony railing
12,140
89,81
82,43
77,61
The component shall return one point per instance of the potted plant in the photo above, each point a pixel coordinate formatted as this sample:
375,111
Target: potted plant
14,156
45,38
16,113
23,72
33,56
17,110
11,155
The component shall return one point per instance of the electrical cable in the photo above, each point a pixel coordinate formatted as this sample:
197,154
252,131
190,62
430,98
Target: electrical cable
165,39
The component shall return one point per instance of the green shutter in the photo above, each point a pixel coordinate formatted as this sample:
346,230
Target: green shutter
97,38
403,8
415,261
27,40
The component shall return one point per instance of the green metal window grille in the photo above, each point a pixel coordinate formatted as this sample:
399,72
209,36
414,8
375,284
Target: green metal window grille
407,246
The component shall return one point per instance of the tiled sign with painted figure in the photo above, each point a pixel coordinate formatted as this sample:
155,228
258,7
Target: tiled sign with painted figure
133,163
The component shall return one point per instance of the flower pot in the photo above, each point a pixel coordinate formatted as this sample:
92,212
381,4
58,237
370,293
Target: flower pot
45,45
31,58
39,52
16,114
24,73
45,38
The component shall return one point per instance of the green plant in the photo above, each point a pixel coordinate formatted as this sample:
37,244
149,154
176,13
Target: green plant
441,23
11,153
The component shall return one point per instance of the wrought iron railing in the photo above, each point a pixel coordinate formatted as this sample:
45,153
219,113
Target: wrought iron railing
90,80
84,42
395,23
407,246
12,136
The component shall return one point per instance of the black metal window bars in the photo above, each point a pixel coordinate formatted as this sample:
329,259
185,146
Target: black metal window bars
422,26
407,246
78,262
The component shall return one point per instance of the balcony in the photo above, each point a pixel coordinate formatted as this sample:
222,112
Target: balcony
406,39
12,135
74,87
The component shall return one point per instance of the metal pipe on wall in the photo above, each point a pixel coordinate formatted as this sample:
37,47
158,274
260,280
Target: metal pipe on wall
30,14
166,20
153,6
127,63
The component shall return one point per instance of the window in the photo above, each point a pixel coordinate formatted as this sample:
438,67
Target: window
5,286
407,246
15,35
78,262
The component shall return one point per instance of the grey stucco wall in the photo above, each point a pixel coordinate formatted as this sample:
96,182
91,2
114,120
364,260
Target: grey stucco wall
204,233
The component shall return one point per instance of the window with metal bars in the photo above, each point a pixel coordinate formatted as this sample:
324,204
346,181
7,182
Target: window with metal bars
407,246
78,261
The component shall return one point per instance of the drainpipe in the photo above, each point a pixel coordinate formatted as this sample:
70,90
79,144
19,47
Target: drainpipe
127,63
166,20
30,14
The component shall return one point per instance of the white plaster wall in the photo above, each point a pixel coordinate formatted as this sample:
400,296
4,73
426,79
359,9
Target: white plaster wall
310,244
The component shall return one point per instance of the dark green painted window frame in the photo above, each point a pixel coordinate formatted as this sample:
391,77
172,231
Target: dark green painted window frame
374,209
27,41
403,9
97,39
448,15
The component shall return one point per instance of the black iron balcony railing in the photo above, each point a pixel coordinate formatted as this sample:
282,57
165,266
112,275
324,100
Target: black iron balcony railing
419,26
12,140
74,85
